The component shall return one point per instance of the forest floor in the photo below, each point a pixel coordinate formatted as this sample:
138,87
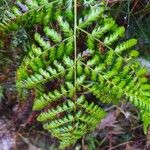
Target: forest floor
122,128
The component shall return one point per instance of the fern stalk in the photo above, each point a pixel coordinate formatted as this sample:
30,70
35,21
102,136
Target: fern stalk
75,53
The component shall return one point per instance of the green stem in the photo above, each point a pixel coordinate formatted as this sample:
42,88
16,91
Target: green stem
75,58
75,43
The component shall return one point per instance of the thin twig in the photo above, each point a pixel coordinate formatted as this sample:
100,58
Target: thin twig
101,143
122,144
139,126
83,142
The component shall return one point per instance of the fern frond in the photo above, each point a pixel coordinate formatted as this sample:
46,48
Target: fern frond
48,74
78,60
52,113
67,90
36,12
115,36
94,14
125,45
146,120
57,123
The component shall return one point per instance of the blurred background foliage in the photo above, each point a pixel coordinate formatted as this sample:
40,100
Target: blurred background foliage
135,16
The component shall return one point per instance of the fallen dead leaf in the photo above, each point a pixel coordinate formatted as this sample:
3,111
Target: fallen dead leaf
108,121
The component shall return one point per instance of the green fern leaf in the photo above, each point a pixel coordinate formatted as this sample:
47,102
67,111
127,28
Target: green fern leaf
79,54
